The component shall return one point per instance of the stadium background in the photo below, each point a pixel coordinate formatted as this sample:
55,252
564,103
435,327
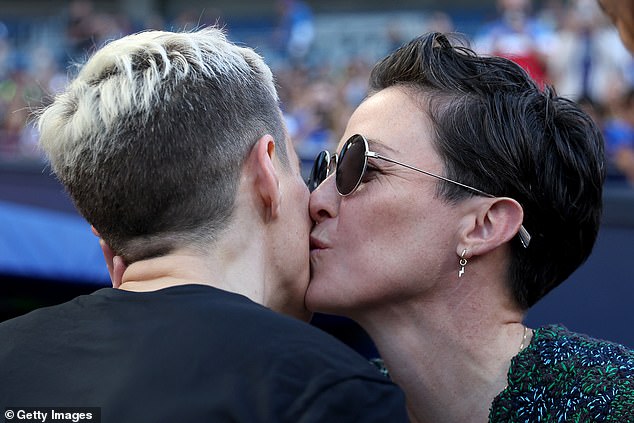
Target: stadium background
320,54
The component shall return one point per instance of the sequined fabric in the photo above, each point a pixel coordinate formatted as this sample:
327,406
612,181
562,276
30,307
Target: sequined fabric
567,377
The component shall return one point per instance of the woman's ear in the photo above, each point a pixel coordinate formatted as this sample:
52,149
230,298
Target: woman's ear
266,181
495,222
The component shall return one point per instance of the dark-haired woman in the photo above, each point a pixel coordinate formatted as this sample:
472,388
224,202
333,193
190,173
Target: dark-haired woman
461,194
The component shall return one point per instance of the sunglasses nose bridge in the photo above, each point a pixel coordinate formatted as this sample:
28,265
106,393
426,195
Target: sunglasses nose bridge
324,165
332,164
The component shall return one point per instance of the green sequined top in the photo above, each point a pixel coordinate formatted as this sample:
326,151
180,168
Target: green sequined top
567,377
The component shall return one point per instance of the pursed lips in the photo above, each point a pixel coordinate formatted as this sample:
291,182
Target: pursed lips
316,244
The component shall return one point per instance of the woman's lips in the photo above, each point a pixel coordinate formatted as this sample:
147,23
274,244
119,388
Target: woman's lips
317,244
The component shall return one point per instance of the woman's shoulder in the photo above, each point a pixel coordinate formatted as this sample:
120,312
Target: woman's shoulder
554,344
567,375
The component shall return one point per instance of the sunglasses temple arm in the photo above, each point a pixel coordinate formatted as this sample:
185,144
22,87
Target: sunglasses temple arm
378,156
525,237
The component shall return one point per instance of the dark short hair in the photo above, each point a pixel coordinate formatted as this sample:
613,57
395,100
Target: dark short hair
497,130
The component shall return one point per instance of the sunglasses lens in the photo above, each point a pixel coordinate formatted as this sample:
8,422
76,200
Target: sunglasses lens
319,171
351,165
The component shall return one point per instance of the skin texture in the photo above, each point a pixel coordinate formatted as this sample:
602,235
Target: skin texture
289,244
391,221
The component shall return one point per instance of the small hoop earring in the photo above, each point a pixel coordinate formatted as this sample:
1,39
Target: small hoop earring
463,263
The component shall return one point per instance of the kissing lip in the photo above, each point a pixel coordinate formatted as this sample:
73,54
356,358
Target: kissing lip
317,244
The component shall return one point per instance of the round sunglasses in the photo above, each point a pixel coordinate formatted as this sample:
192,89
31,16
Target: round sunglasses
350,166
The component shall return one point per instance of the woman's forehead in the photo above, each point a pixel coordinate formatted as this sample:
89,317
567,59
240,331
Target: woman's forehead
388,119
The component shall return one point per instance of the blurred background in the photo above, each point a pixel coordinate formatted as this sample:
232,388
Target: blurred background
321,53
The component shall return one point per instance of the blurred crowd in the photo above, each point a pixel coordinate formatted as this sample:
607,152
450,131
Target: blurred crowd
566,43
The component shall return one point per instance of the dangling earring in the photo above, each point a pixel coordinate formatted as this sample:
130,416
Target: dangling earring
463,263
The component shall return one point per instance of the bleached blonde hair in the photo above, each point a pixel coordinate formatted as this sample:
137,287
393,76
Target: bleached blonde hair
150,137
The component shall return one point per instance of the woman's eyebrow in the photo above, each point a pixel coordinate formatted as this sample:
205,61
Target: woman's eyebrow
378,145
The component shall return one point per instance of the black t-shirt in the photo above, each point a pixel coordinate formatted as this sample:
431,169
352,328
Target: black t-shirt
189,353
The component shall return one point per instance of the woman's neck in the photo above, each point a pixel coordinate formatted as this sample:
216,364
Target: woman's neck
451,362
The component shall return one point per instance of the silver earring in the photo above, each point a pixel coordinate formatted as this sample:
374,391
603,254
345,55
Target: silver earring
463,263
